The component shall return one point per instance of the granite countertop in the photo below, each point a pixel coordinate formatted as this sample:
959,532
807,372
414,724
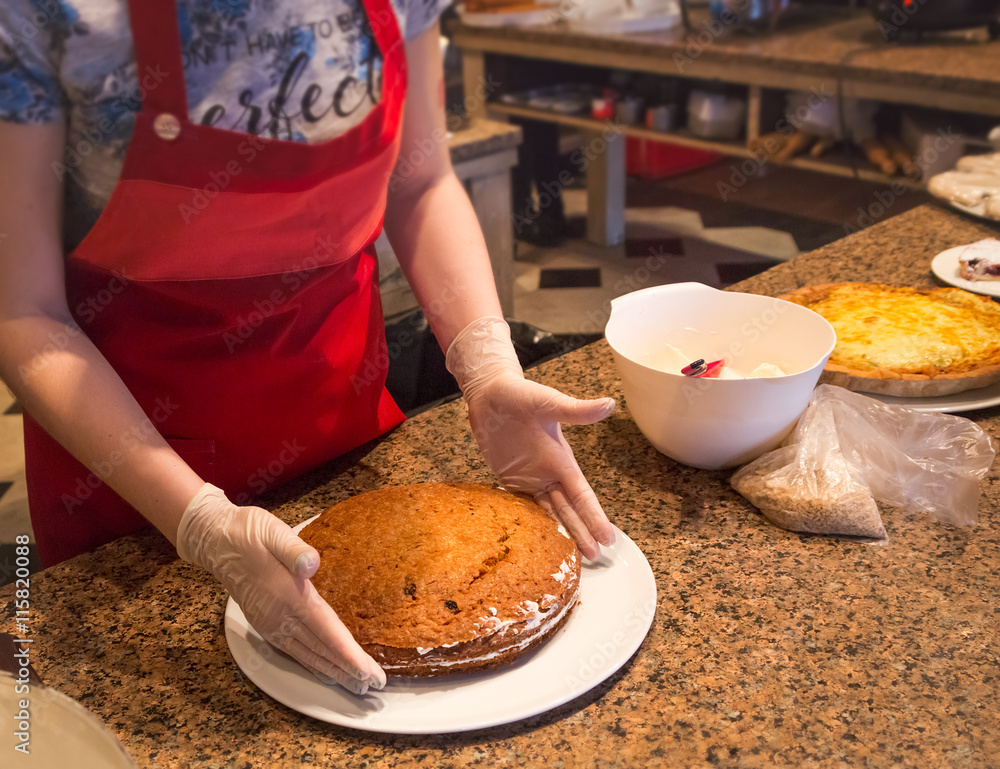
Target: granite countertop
481,137
822,43
767,648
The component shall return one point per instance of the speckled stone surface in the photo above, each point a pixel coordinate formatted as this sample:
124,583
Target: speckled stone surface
833,42
767,648
482,137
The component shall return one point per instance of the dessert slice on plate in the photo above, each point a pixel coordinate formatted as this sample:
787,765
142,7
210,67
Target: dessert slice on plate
981,260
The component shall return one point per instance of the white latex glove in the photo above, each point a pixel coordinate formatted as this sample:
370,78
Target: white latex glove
516,423
266,568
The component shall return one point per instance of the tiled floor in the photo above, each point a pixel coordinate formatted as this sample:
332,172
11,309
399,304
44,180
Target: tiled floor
681,229
13,495
663,245
677,230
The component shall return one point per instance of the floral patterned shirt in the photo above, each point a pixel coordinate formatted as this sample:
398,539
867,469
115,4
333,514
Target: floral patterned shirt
298,70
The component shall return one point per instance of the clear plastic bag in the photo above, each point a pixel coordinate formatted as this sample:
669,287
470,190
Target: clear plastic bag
850,451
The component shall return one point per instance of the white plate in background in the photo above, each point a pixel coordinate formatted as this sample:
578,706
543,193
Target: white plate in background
978,211
532,18
945,267
980,398
616,608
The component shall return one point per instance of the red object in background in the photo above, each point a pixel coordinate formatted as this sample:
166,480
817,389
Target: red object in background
602,109
653,160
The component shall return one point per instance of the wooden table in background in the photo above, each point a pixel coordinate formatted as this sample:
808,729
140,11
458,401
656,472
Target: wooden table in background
833,50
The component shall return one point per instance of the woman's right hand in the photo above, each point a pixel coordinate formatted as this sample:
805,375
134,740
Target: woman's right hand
266,568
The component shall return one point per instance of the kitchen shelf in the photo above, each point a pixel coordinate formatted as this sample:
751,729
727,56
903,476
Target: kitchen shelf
841,164
680,138
836,164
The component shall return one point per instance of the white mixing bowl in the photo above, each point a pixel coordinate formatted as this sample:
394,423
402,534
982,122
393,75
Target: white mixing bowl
715,423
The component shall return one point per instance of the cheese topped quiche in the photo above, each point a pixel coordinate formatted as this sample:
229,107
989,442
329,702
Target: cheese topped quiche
909,342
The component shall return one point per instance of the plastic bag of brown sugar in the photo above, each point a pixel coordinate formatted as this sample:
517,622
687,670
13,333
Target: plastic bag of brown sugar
850,451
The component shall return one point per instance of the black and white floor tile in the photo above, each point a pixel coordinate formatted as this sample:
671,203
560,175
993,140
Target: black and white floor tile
14,519
568,290
13,494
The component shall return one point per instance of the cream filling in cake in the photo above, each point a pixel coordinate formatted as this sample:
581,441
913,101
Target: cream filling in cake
517,646
564,568
533,614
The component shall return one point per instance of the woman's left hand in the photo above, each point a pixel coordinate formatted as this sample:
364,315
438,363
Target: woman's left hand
516,423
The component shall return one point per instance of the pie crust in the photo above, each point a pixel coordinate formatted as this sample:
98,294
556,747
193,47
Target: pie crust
907,342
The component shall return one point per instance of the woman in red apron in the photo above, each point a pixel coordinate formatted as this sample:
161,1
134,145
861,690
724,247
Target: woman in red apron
243,339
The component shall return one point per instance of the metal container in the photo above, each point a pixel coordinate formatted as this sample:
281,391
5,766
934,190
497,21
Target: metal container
748,15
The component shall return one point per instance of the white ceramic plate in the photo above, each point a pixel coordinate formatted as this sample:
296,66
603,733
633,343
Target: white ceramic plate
508,19
617,603
977,211
626,22
981,398
945,266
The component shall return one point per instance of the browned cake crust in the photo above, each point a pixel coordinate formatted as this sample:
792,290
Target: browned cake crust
440,578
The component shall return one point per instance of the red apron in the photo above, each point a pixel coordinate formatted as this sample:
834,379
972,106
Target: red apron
232,283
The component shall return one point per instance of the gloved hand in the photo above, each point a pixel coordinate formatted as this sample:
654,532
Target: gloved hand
516,423
266,569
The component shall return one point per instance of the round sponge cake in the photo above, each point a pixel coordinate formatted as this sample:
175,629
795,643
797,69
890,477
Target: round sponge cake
437,578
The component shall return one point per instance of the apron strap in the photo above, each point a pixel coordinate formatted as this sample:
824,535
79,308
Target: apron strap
389,38
160,70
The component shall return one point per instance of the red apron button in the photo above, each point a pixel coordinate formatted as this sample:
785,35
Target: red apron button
167,127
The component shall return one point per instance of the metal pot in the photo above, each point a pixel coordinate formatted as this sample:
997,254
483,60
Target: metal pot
748,15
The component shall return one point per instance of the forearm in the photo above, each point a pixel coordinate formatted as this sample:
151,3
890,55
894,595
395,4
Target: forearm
439,243
68,387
